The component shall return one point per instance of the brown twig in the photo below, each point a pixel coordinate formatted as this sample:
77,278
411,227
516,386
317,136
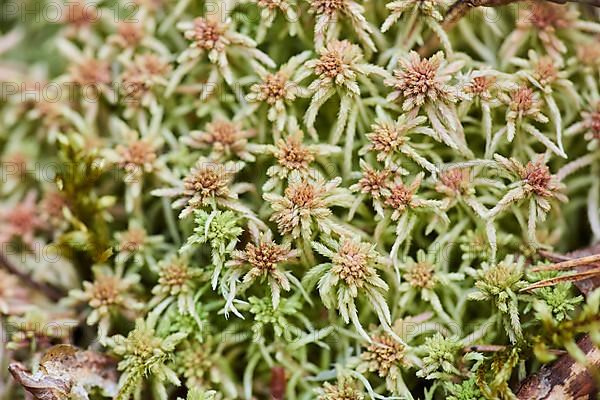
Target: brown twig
568,264
554,257
51,292
462,7
484,348
579,276
564,263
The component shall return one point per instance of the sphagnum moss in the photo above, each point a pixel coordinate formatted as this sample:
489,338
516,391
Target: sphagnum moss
295,199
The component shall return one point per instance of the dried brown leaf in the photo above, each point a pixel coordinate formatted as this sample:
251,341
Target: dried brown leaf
66,372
